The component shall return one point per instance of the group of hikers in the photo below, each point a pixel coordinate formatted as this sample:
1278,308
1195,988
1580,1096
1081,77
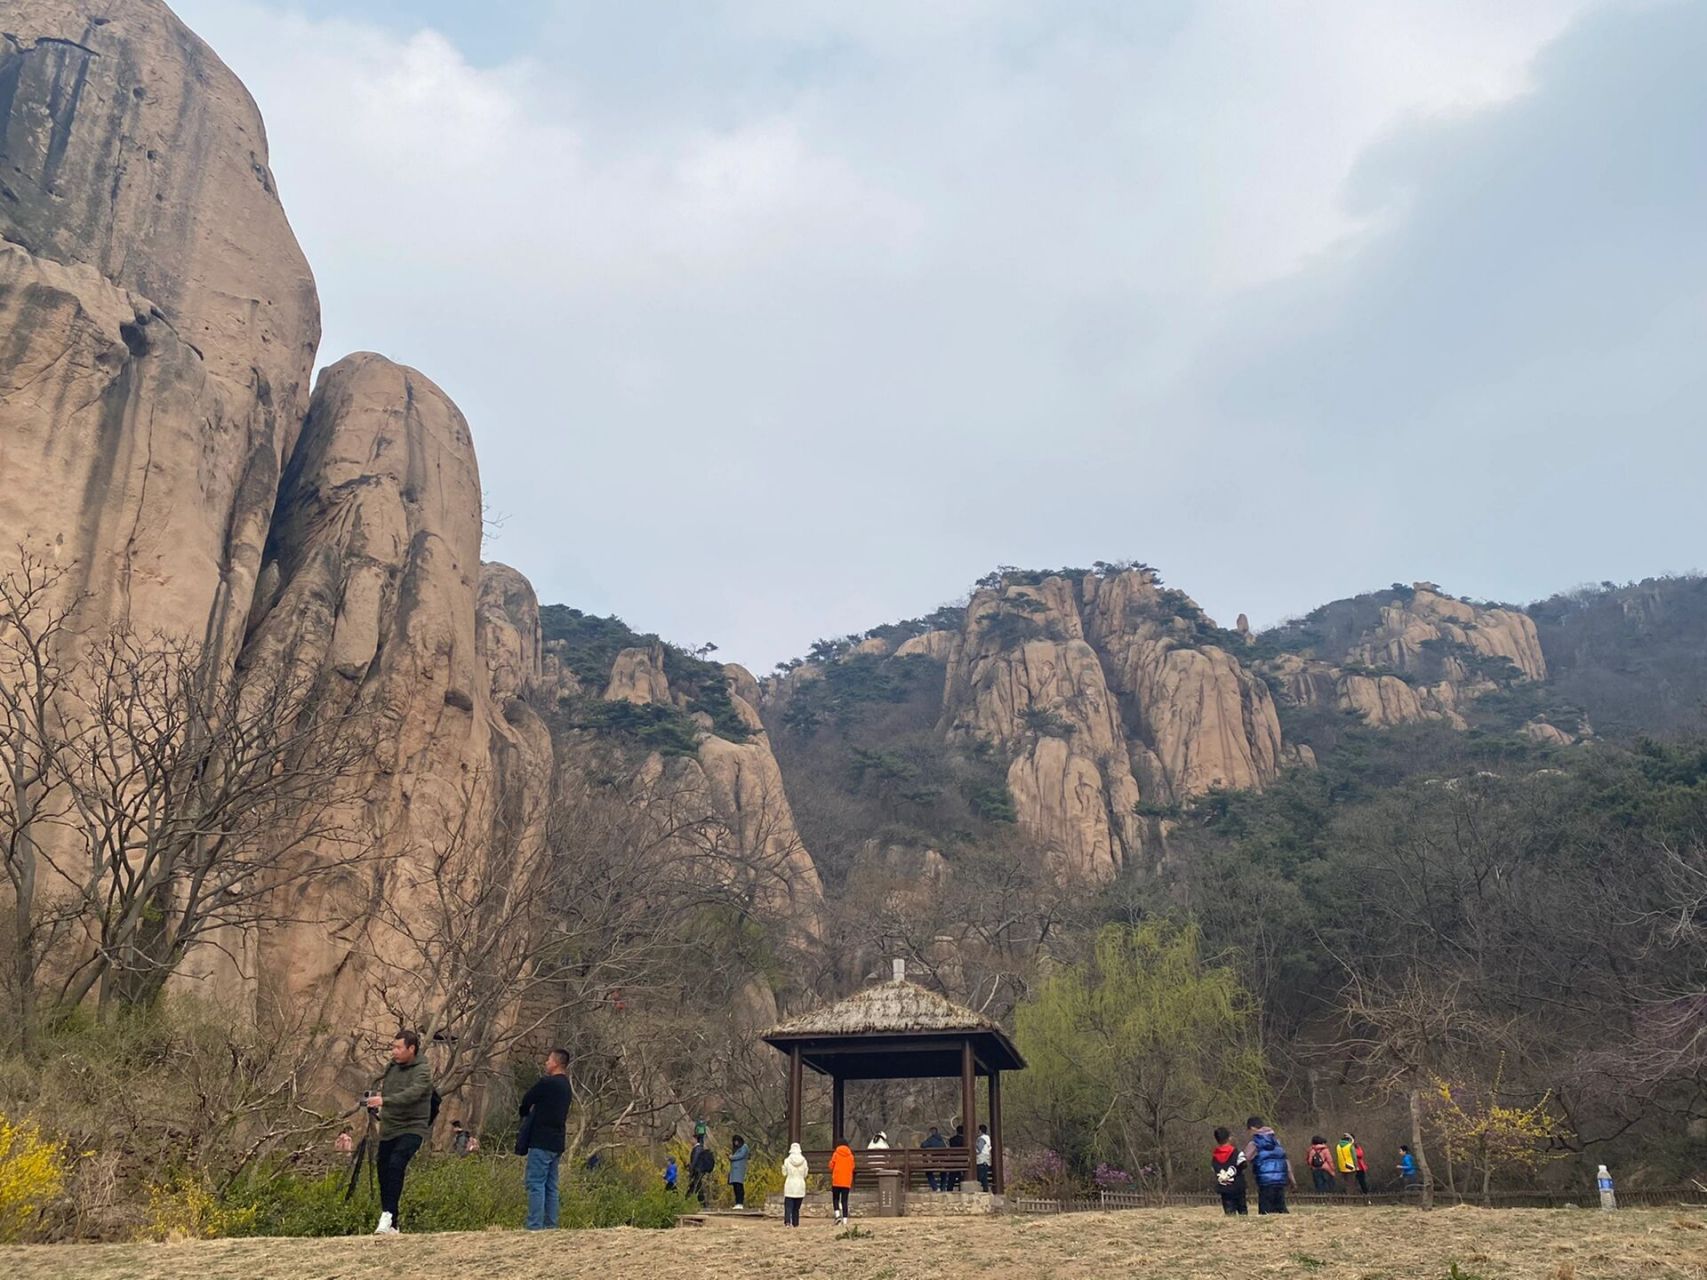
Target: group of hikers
702,1163
1331,1168
795,1170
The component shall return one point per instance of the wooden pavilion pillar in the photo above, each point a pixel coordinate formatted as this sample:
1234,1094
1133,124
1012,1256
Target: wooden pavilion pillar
796,1086
998,1175
968,1107
838,1111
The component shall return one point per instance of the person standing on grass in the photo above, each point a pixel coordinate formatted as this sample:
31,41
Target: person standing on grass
981,1153
738,1156
794,1171
1228,1162
403,1100
701,1165
670,1174
1321,1162
1269,1163
1348,1155
841,1181
547,1105
1407,1167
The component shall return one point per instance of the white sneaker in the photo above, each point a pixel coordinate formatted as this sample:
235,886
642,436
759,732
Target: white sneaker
385,1228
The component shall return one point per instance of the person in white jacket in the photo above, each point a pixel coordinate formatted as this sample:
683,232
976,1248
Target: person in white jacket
981,1154
794,1171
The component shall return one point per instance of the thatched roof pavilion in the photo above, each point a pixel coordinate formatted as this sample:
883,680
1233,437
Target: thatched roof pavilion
898,1030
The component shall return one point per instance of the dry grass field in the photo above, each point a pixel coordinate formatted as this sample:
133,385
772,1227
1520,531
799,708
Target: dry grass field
1182,1244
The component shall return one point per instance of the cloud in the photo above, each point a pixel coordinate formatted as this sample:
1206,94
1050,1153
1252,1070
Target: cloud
776,319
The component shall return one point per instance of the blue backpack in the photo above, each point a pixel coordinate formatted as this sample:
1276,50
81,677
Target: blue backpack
1270,1163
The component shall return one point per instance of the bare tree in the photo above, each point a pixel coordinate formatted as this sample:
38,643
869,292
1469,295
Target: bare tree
152,801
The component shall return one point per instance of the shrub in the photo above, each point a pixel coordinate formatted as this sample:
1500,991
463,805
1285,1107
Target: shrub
450,1193
32,1174
184,1207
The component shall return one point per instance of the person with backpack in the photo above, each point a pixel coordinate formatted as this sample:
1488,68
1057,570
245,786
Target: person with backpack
841,1181
1321,1163
1270,1165
1348,1157
738,1156
794,1171
545,1111
701,1165
1228,1163
405,1101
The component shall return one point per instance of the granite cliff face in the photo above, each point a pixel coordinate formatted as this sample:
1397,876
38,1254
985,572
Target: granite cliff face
1403,655
373,581
160,319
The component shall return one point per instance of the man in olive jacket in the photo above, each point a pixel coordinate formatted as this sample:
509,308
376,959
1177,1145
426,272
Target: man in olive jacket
404,1100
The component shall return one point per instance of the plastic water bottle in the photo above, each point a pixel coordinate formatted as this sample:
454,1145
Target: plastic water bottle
1608,1197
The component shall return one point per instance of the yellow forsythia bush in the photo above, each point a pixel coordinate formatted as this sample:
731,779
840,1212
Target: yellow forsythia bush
32,1174
184,1208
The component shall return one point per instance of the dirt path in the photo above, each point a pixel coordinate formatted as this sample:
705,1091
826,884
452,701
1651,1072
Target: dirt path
1376,1244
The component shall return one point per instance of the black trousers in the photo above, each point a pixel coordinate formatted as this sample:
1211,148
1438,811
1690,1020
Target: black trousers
1363,1182
984,1177
839,1201
791,1210
1271,1199
1234,1202
740,1190
392,1160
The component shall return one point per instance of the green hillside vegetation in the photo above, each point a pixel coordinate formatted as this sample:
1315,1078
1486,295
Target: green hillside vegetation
1634,657
591,645
859,748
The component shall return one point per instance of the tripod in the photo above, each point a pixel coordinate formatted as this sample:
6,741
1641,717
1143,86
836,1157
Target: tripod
367,1151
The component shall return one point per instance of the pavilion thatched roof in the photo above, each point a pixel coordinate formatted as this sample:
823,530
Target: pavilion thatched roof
896,1007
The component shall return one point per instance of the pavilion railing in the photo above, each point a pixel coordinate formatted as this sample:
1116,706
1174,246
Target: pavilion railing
914,1163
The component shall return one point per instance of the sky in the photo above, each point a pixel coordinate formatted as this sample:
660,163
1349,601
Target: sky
780,319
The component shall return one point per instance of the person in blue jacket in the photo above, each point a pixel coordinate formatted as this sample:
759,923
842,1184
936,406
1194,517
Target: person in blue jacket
1270,1165
1408,1169
670,1174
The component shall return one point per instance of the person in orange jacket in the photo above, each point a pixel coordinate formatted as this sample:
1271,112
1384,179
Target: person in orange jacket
841,1180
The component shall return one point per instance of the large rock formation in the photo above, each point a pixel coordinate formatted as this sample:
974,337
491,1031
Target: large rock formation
1404,655
373,581
160,320
159,447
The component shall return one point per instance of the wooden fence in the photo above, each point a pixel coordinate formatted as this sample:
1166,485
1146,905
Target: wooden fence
1589,1198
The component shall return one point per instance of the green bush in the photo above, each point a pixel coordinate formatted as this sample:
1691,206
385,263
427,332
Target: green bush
448,1193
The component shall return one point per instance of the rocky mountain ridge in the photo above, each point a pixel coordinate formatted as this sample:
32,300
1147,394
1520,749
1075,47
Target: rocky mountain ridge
1111,699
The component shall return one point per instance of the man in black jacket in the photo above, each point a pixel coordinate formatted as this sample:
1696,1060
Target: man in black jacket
546,1109
701,1164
